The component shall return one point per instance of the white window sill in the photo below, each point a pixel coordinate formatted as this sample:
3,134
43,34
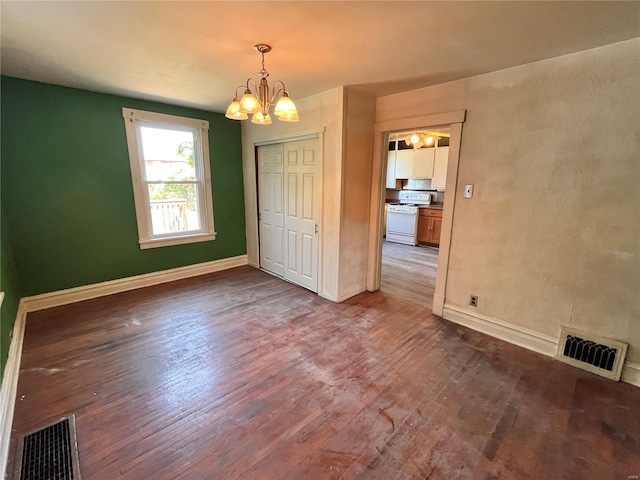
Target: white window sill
168,241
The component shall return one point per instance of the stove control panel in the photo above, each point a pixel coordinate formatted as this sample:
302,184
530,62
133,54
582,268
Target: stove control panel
420,198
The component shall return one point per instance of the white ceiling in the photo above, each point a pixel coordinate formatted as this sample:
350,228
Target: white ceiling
197,53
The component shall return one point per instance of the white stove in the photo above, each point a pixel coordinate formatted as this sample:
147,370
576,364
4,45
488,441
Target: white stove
402,217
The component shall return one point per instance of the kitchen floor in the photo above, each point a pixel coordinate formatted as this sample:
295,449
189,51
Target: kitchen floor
409,272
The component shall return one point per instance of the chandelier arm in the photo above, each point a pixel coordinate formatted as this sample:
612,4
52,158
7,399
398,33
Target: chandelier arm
277,92
255,85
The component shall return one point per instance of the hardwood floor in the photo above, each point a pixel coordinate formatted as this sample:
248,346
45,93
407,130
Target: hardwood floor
239,375
409,272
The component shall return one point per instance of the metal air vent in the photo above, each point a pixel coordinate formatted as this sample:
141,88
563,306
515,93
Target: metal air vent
595,354
50,453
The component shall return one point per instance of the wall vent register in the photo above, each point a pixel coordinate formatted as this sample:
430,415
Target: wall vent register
595,354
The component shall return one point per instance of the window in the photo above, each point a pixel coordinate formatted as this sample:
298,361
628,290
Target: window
169,158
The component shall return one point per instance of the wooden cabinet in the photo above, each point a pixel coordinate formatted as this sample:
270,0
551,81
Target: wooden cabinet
429,226
440,168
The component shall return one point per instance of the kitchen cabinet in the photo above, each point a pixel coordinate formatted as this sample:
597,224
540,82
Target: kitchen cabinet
404,163
429,226
392,182
415,163
391,170
440,168
423,160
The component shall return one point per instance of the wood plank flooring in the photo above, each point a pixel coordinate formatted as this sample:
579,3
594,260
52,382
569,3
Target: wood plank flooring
409,272
240,375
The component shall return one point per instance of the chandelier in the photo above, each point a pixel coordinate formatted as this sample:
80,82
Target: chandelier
259,103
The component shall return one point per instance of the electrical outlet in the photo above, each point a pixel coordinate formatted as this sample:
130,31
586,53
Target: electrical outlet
473,301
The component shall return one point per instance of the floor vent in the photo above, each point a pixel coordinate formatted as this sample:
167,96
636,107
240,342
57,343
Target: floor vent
50,453
595,354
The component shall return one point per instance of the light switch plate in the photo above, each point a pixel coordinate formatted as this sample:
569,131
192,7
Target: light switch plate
468,191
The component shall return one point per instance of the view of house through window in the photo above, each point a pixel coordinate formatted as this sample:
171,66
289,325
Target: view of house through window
169,158
171,179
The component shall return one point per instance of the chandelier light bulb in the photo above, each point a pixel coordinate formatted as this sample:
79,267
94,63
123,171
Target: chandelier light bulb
415,138
249,103
285,106
261,119
429,140
234,113
291,117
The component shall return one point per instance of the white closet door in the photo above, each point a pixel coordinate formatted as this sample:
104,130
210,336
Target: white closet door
302,211
289,196
271,205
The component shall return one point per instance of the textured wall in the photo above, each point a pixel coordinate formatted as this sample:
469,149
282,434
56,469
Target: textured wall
359,118
67,196
552,235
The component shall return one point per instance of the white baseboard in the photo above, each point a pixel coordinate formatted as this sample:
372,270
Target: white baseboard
437,308
523,337
254,264
10,386
631,373
86,292
352,293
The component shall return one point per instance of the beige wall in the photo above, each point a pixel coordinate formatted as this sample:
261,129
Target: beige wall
318,114
359,119
552,235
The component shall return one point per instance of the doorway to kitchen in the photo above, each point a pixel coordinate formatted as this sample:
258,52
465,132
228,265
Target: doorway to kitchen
414,197
383,132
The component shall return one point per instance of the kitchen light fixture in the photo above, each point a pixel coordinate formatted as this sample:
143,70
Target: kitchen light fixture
418,139
260,103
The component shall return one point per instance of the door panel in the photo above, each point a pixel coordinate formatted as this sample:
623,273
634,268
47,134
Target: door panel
271,191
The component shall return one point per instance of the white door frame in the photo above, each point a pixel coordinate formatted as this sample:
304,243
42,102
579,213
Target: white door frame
378,193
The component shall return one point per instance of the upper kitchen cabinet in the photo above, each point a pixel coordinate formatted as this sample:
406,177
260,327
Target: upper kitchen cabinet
440,168
392,181
423,161
404,164
427,162
416,163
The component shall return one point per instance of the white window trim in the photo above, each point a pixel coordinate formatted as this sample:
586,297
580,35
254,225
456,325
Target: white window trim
140,192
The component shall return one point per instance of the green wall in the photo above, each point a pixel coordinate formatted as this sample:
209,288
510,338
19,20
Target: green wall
67,197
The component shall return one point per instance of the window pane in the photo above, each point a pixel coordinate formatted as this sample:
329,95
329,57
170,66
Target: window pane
174,207
168,154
